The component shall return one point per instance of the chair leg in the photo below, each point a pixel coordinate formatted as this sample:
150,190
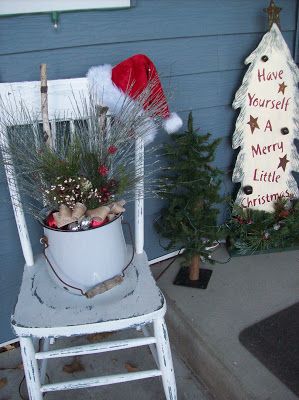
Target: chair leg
31,368
152,347
165,359
43,364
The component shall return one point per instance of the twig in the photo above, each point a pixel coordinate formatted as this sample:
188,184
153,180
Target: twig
44,105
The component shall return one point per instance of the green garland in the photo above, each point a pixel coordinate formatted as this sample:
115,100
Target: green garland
251,230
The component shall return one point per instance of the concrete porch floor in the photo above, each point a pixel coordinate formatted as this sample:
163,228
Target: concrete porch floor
205,324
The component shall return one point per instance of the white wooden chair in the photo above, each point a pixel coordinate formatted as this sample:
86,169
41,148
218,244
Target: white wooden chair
46,311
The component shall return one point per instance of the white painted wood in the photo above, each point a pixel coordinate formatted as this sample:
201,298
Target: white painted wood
139,201
15,197
96,348
145,305
165,359
166,257
9,342
31,369
152,347
43,365
54,312
100,381
268,98
12,7
45,310
64,97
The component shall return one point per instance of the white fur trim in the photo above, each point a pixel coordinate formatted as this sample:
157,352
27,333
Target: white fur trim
105,92
173,123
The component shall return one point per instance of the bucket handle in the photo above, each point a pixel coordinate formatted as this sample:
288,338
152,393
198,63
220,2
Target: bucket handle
101,287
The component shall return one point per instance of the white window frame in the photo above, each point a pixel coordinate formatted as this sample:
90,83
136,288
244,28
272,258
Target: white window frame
14,7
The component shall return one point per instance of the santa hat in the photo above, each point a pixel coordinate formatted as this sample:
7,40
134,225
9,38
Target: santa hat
110,86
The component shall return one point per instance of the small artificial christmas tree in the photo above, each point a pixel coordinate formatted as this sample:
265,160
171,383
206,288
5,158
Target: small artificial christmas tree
191,188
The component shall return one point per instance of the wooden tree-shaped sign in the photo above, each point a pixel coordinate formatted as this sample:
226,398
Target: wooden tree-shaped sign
267,125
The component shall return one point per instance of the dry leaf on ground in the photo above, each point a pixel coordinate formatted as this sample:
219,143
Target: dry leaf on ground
131,367
97,337
3,382
74,366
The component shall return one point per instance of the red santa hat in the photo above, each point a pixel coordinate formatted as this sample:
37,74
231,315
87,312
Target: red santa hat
111,86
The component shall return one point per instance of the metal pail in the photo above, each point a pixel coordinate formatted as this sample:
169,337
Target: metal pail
81,260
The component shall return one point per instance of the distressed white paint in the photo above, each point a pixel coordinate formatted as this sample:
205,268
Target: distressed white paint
44,363
258,161
31,369
45,310
100,381
61,96
54,312
15,197
165,359
9,342
96,348
11,7
153,349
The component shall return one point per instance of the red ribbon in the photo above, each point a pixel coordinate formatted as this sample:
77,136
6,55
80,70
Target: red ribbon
96,224
50,221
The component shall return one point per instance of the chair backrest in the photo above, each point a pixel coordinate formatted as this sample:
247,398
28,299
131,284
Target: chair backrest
60,95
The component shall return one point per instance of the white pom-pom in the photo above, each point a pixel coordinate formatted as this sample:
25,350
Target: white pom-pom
173,123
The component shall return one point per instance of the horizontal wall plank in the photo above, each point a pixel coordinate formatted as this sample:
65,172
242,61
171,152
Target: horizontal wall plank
211,89
9,295
12,265
149,20
219,121
172,57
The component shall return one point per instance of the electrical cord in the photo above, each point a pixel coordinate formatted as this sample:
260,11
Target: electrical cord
222,262
180,252
168,265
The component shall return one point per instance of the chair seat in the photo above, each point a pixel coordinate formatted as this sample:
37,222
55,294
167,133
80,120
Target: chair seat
45,309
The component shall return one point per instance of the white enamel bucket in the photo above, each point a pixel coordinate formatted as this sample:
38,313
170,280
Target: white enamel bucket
80,260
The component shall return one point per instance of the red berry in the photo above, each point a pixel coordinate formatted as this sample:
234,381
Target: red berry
103,170
284,213
112,149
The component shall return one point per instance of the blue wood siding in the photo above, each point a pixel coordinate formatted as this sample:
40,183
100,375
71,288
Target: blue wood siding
199,48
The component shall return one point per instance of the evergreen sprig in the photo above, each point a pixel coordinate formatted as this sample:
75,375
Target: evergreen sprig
84,153
252,230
